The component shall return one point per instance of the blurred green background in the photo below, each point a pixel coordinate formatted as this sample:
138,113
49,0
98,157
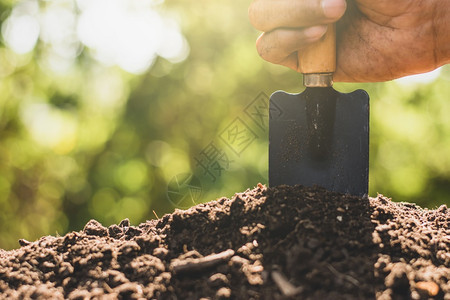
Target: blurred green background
115,109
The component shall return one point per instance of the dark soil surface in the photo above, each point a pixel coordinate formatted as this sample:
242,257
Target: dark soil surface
277,243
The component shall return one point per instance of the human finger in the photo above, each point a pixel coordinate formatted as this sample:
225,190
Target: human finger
277,46
267,15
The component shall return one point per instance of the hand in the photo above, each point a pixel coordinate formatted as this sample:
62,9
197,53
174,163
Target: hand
376,40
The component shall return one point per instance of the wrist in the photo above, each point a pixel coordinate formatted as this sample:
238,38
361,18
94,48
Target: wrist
442,31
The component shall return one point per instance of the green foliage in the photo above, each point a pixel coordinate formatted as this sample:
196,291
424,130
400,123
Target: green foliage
93,141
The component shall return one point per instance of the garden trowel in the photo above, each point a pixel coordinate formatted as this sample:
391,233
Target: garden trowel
320,136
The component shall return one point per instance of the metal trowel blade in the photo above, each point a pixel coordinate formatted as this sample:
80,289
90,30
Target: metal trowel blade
320,137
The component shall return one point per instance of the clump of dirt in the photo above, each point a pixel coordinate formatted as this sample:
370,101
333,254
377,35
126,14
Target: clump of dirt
265,243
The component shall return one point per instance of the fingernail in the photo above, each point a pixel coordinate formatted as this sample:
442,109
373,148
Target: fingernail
333,9
315,31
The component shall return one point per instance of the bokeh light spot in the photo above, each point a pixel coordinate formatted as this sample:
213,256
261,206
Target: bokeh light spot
133,208
103,203
132,176
21,29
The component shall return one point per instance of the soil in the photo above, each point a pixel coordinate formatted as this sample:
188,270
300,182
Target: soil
265,243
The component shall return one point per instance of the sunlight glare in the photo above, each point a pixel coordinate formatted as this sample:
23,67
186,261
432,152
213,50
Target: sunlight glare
424,78
58,30
129,33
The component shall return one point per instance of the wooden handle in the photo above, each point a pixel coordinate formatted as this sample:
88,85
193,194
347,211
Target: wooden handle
320,57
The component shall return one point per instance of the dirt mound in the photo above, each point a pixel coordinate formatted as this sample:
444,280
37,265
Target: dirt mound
276,243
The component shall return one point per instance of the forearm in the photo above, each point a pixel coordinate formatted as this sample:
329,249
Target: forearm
442,31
